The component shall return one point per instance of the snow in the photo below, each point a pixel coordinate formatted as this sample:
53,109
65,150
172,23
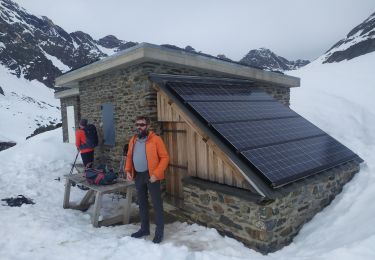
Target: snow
56,62
25,106
337,97
108,51
75,44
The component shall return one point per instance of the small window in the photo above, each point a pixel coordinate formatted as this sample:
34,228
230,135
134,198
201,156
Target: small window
108,124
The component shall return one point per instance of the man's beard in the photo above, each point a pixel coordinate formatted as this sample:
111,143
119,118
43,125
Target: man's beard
142,134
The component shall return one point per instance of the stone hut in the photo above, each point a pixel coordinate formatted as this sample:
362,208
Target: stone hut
241,161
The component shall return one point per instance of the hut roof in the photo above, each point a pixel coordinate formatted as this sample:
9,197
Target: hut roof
272,145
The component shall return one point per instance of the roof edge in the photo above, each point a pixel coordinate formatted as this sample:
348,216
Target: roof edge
126,56
66,93
151,52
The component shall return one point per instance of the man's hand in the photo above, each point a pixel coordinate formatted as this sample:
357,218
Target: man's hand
152,179
129,176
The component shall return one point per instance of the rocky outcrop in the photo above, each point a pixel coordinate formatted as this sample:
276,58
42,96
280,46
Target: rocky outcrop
35,48
265,59
359,41
6,145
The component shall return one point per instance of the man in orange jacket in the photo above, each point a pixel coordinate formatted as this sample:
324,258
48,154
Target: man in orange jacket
146,162
87,154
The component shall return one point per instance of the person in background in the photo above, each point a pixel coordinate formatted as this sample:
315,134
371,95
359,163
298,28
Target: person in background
87,153
146,162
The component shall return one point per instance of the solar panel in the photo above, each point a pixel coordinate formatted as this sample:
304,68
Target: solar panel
215,112
211,92
287,162
253,134
270,137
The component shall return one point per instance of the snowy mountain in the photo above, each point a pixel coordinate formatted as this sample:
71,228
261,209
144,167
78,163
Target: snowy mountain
265,59
344,230
359,41
24,107
34,47
33,52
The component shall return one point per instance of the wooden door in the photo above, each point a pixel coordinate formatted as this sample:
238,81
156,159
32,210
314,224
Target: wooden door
174,136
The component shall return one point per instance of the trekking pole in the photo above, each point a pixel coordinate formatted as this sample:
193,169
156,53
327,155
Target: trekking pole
71,170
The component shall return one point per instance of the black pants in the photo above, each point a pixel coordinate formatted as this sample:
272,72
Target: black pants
143,186
87,158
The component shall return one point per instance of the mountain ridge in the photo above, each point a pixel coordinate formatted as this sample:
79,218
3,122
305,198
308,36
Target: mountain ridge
29,43
34,47
268,60
359,41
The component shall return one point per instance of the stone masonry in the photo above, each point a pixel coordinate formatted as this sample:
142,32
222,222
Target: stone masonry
131,94
265,226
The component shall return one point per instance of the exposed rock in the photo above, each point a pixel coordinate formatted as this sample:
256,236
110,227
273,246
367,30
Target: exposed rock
266,59
6,145
31,44
359,41
126,45
43,129
110,41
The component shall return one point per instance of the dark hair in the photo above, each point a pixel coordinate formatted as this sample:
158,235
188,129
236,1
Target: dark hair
143,118
83,122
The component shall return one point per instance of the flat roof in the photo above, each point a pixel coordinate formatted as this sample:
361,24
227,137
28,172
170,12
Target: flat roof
67,93
146,52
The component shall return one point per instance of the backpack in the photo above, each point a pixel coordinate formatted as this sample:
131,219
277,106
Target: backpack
100,176
91,137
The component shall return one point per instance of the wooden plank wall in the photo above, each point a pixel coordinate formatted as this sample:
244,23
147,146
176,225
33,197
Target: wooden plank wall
206,163
191,154
174,136
165,111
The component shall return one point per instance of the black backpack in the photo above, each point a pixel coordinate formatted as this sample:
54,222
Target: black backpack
91,137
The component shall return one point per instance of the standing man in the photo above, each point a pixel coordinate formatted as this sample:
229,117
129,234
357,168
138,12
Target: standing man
146,162
87,152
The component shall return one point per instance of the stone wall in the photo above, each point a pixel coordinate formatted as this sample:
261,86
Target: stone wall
131,94
65,102
265,226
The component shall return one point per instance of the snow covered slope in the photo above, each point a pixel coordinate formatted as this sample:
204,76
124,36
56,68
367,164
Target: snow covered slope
24,106
337,97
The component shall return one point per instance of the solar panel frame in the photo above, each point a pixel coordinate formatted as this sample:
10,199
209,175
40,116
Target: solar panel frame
205,108
318,153
218,92
254,134
220,111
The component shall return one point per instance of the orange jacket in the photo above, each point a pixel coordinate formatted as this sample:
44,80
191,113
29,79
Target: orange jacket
81,139
156,154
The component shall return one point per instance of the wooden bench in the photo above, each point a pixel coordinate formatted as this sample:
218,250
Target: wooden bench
94,194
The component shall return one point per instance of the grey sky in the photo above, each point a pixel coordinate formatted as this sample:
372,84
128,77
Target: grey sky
294,29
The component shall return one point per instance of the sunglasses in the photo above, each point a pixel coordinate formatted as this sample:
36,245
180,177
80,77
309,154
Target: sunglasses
141,125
